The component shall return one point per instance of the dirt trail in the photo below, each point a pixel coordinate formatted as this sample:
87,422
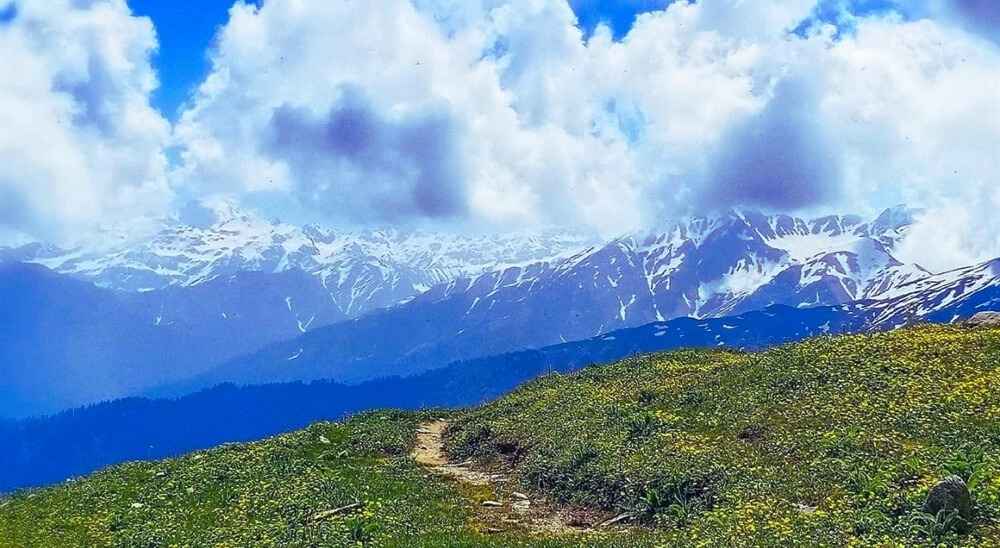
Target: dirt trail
429,452
506,509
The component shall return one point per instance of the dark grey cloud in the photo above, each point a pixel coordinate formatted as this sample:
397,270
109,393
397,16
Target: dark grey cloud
353,161
95,96
780,158
982,16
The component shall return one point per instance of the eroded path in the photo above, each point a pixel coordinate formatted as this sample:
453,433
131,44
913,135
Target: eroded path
503,509
429,452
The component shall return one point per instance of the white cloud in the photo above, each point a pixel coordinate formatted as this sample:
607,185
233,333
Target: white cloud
753,19
80,144
548,127
503,112
915,108
956,232
515,159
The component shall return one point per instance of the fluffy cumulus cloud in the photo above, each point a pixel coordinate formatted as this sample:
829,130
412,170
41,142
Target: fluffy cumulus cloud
398,111
80,144
917,115
524,119
506,113
503,111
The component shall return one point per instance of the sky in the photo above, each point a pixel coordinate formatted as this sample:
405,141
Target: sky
185,32
499,114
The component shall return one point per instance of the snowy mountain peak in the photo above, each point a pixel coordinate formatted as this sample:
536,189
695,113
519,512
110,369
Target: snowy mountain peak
363,269
702,266
894,218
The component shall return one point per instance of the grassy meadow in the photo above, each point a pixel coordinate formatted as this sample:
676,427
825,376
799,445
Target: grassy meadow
834,441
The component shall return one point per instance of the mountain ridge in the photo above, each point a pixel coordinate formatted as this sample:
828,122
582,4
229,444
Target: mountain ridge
363,269
701,267
593,292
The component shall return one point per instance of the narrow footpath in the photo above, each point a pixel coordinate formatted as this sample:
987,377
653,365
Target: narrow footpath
501,508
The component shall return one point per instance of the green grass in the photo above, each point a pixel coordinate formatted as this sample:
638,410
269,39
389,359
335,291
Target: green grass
258,494
834,441
262,494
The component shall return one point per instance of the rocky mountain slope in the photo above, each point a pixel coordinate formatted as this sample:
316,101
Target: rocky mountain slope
941,298
620,285
362,270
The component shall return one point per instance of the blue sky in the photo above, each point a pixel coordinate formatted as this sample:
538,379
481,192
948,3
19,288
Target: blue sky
617,14
8,13
185,31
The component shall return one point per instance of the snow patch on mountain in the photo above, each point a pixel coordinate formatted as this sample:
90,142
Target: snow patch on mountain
920,298
708,266
362,269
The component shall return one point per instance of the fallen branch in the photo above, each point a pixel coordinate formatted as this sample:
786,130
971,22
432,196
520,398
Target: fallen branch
326,514
615,520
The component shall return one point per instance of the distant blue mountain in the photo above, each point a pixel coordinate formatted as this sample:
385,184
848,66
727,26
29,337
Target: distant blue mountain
41,451
65,342
541,305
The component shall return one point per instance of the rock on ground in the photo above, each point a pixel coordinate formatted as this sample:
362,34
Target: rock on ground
950,494
984,319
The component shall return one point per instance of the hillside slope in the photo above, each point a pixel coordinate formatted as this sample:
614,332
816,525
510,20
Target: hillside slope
435,329
65,342
46,450
833,441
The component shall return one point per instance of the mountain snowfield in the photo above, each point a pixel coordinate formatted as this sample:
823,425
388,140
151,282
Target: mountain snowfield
362,269
699,268
274,302
942,298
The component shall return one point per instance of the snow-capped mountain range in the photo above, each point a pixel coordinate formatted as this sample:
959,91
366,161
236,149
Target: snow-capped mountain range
699,267
256,301
942,298
362,269
424,335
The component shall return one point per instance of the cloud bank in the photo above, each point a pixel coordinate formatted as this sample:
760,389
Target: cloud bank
779,158
504,113
352,163
80,144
